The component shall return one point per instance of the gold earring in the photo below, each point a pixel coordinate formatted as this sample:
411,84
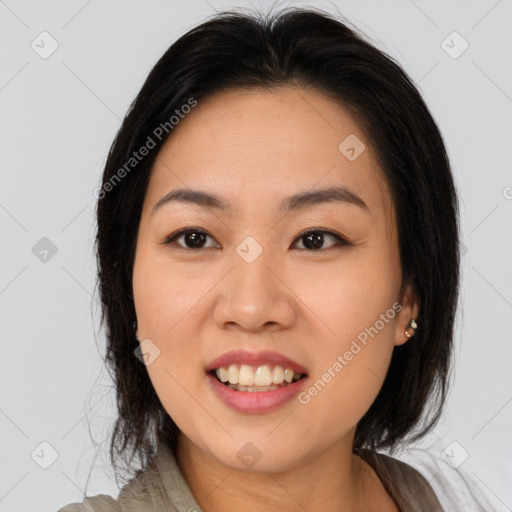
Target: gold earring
411,326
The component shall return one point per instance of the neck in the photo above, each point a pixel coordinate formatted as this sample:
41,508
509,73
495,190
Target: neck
333,480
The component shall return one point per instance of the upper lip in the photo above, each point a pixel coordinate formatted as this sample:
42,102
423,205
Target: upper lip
255,359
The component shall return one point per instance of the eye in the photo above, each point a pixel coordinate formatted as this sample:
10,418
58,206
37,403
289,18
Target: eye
313,240
193,238
196,238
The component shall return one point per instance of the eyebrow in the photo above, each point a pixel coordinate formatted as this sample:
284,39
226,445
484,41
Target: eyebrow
294,202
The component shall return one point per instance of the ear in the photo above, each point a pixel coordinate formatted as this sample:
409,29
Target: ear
410,309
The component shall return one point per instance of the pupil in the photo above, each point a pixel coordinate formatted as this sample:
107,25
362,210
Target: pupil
316,238
196,239
313,240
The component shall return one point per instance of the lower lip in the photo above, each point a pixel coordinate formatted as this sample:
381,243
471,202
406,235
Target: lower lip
257,401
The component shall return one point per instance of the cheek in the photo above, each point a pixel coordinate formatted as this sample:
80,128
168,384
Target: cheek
165,295
164,303
349,296
176,385
356,313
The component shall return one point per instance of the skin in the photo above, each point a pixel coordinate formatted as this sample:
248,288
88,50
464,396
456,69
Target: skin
252,148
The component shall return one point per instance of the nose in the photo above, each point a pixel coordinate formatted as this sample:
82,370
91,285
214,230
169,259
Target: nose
255,296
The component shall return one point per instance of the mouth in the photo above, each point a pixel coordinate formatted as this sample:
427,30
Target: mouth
256,378
255,383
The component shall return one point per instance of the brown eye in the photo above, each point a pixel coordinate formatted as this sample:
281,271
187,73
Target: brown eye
192,238
314,240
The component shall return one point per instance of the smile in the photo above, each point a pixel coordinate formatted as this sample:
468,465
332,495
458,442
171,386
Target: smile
252,379
255,383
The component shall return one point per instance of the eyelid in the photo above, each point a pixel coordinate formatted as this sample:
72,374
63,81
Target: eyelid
183,231
341,240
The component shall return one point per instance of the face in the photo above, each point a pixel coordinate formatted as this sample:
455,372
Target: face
264,288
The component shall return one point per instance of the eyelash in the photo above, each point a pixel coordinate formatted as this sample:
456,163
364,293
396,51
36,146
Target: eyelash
171,239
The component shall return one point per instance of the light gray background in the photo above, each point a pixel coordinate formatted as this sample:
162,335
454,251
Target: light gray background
58,118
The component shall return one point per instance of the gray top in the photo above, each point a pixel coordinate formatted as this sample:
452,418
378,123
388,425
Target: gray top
162,488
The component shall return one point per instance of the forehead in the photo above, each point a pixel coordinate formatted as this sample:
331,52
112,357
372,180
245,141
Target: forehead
267,144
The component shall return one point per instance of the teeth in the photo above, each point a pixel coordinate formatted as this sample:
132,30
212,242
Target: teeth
288,375
245,378
278,375
263,376
252,389
233,373
223,374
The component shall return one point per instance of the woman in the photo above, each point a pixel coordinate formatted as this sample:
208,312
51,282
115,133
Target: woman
278,265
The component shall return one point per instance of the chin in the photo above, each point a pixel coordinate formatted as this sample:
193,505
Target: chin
257,456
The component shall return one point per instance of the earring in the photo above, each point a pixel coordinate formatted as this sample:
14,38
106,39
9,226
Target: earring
411,328
134,325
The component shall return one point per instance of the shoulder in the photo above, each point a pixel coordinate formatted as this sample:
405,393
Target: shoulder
458,489
100,503
141,494
407,486
134,497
